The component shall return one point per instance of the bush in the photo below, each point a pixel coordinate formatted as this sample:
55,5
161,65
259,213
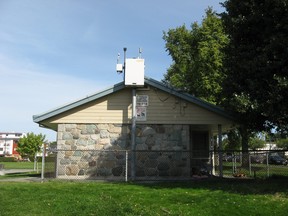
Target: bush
7,159
282,143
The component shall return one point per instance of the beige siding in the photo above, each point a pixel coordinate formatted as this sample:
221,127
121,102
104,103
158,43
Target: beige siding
163,108
114,108
167,109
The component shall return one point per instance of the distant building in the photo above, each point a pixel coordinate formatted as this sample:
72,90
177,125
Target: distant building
269,146
9,143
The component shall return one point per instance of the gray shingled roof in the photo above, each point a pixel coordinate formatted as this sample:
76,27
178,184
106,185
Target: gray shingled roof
148,81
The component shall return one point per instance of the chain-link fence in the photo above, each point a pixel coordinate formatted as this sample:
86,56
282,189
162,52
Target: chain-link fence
50,165
253,164
125,165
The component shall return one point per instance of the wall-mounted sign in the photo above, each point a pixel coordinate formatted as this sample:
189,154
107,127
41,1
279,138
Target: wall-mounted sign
142,100
141,113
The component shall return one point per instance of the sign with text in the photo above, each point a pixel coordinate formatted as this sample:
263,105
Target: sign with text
142,100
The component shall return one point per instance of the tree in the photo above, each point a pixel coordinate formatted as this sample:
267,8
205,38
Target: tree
198,66
197,58
255,142
29,145
232,141
282,143
256,63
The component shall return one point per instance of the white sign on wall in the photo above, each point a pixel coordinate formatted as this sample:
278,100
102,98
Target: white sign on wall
141,113
141,107
142,100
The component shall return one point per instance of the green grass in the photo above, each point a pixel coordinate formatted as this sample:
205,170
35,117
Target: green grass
20,165
209,197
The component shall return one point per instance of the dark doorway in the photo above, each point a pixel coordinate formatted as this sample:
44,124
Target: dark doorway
199,150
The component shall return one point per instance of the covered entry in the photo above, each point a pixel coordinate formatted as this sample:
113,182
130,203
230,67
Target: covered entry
199,151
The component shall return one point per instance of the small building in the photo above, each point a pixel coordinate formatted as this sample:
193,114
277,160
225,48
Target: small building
170,135
9,143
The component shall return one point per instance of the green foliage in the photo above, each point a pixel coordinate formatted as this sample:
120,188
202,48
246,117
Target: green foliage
19,165
276,135
7,159
256,143
256,86
197,57
282,143
233,140
29,145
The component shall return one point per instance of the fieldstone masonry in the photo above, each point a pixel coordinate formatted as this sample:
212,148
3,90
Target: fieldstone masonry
98,150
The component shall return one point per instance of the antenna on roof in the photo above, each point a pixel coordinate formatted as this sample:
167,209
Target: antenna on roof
118,58
124,67
133,69
140,52
120,67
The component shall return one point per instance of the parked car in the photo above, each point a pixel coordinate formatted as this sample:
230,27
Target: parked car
277,160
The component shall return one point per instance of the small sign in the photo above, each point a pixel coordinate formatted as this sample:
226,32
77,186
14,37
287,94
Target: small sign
141,113
142,100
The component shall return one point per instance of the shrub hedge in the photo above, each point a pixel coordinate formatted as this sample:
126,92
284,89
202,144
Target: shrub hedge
7,159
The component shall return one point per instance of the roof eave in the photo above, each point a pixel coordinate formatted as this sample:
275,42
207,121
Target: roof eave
121,85
189,98
59,110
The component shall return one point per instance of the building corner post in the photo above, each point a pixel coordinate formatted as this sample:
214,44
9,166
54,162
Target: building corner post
133,134
220,150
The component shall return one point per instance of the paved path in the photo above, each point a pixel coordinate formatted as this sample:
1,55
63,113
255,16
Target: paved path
18,179
17,170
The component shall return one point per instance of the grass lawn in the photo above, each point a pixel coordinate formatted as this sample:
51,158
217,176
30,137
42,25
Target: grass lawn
20,165
204,197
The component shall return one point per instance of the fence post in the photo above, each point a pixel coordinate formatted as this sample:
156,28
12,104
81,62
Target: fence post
220,150
35,162
43,162
250,165
212,157
133,134
126,168
234,163
267,163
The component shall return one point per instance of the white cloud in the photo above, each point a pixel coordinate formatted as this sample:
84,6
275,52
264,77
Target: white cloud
26,91
41,41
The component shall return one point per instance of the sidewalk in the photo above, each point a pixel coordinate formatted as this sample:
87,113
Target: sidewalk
18,179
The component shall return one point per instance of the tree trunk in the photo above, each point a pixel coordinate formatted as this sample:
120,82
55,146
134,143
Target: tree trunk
244,141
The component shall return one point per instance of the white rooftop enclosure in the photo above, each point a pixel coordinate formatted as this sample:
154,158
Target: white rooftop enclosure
134,72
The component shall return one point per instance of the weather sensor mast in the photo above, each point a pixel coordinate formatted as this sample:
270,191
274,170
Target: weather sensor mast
133,69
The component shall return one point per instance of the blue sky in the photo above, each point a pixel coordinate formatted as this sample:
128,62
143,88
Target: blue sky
53,52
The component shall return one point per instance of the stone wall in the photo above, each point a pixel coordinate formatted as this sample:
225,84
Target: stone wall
98,150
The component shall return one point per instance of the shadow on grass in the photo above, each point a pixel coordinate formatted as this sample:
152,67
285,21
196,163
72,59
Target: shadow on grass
21,175
274,184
